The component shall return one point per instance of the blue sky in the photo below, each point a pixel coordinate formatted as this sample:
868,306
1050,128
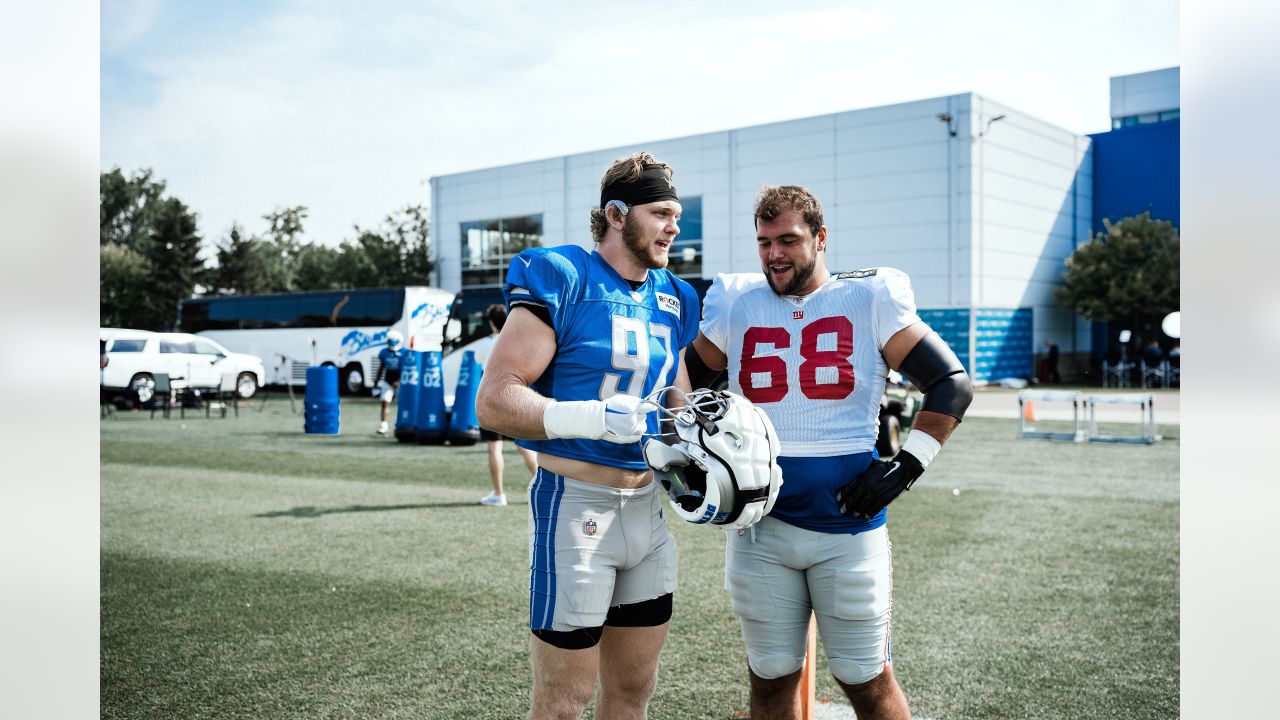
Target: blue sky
348,108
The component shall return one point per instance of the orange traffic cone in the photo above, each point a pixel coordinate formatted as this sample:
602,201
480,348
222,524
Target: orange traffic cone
1029,411
808,681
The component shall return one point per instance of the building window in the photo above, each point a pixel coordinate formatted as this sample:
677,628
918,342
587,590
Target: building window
686,251
1144,119
489,245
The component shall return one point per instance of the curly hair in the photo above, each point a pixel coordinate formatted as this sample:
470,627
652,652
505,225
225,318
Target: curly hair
624,169
775,200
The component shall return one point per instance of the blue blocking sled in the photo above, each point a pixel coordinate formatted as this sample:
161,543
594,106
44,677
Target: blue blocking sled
407,397
429,414
421,415
464,427
321,409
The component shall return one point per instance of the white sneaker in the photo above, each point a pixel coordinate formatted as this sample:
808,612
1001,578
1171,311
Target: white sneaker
495,500
382,428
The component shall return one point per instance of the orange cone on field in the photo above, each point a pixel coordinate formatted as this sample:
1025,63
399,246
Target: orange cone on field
1029,411
808,682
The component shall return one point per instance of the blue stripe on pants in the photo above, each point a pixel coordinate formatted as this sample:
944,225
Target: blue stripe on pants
544,503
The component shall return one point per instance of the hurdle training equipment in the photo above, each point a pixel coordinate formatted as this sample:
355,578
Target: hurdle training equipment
1027,414
1086,429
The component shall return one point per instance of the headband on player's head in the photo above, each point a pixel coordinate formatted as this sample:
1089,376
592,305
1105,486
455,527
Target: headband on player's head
653,185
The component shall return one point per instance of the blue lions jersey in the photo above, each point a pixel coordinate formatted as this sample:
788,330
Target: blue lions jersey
611,339
391,361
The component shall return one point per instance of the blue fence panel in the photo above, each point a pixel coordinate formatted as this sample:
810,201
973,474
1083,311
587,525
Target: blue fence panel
952,325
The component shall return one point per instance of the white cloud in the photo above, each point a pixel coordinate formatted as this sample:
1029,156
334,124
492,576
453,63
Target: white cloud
350,111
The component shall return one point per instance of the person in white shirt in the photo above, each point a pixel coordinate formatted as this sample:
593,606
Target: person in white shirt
812,349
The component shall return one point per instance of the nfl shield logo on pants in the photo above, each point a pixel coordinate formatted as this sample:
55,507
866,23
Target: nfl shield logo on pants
589,527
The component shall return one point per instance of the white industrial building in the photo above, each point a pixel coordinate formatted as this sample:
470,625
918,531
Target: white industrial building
978,202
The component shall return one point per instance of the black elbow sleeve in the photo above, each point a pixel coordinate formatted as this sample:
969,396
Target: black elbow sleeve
933,367
700,376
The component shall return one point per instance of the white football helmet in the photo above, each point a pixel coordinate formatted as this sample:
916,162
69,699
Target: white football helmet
394,339
723,469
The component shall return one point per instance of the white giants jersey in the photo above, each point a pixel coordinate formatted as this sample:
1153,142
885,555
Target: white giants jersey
812,362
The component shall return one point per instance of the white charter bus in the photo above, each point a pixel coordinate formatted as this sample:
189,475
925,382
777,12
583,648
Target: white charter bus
343,328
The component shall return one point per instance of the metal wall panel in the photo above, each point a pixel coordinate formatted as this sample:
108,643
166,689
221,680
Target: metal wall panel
980,219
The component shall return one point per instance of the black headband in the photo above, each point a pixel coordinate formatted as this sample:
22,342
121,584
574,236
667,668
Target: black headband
653,185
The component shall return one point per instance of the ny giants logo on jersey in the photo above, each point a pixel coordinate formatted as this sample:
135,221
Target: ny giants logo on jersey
797,314
589,528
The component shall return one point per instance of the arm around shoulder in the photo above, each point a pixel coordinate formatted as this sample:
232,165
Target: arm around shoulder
705,363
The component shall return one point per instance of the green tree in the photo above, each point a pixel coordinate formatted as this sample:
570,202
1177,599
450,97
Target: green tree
398,252
123,286
1129,273
319,268
174,254
239,270
128,206
281,247
411,228
141,288
377,260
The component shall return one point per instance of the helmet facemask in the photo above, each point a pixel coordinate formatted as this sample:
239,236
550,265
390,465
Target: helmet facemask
721,467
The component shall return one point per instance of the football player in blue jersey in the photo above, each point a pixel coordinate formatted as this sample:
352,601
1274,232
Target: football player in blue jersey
812,349
387,380
589,336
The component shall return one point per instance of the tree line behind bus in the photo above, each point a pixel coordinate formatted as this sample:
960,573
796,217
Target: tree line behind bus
150,259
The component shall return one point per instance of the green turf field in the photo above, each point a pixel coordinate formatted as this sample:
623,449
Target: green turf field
251,571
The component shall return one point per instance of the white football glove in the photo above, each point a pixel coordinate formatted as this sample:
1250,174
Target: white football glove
621,419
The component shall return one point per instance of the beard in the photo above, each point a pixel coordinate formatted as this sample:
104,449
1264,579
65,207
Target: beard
800,276
640,249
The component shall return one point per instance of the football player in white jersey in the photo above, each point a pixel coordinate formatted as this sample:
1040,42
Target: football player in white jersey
812,349
589,335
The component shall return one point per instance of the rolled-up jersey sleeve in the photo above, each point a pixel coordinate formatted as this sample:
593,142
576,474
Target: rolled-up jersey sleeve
715,314
895,304
535,279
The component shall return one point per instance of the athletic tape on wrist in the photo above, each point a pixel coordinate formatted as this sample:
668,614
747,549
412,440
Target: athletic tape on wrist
922,446
574,419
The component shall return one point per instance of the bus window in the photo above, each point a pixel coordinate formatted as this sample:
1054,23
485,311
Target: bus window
316,310
372,307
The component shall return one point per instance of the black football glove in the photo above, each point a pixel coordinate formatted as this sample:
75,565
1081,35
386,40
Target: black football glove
879,485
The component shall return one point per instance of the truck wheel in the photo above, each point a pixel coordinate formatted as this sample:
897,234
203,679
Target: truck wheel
143,387
246,385
890,440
